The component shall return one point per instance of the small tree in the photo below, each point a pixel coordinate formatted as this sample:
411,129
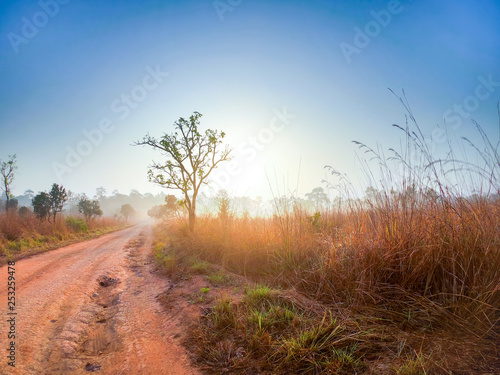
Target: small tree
100,193
29,193
13,205
318,196
7,169
58,197
127,210
158,212
164,210
89,209
41,205
172,204
223,206
96,209
191,157
24,211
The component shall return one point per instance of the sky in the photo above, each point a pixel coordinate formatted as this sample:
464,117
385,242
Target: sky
292,83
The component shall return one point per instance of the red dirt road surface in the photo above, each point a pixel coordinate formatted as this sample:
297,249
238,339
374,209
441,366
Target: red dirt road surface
91,307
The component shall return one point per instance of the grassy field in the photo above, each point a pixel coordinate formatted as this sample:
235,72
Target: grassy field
402,291
405,280
24,236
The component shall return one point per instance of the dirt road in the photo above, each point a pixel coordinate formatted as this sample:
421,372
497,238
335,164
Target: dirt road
91,306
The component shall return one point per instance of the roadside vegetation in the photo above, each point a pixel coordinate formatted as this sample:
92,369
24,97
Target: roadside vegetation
404,280
21,236
25,231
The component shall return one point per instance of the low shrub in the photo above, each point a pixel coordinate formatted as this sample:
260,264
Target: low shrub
77,225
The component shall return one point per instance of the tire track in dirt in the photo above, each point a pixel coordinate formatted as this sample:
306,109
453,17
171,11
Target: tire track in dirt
68,323
142,321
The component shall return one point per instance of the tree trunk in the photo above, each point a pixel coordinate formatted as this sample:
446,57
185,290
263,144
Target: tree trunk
192,219
7,196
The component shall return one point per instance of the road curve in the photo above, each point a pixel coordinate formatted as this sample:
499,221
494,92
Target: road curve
90,306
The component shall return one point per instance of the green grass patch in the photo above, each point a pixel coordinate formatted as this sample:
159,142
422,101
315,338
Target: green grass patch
276,336
199,266
167,262
412,366
219,278
223,315
257,294
77,225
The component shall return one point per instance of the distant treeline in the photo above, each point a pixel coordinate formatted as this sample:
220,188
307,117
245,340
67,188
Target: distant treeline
110,204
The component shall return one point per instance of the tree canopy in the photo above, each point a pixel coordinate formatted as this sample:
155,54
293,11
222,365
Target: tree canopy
127,210
89,208
318,196
58,197
49,204
171,208
41,205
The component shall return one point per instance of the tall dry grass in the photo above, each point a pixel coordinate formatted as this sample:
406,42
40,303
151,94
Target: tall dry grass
420,252
441,261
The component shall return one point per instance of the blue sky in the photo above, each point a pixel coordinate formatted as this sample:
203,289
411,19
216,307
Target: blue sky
239,63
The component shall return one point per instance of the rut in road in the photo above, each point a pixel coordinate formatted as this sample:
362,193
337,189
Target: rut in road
93,306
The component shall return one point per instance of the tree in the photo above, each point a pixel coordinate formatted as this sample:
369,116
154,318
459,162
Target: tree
24,211
163,210
100,193
158,212
318,196
58,197
7,169
13,205
89,209
41,205
372,194
172,203
223,205
127,210
191,157
30,194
